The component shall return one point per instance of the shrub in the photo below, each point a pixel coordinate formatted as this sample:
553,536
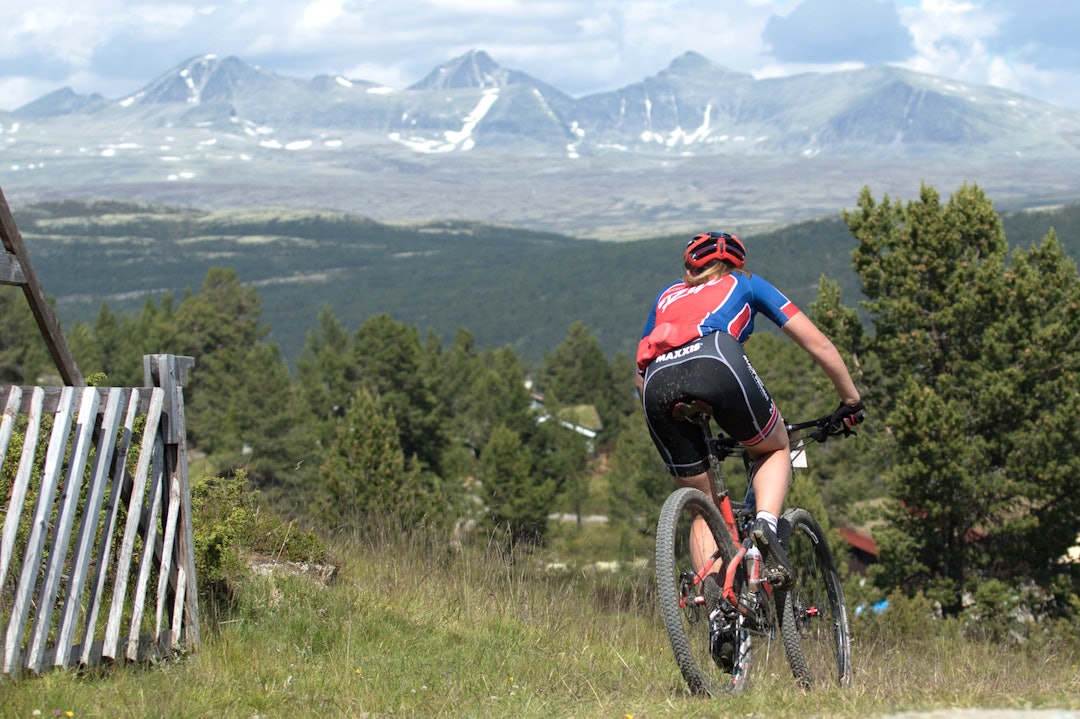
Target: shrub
228,526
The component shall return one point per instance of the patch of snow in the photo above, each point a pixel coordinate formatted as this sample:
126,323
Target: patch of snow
454,139
250,128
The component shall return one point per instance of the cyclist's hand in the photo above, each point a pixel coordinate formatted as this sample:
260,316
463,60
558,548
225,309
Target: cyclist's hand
847,416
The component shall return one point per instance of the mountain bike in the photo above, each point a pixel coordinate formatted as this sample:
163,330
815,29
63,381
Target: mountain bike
716,608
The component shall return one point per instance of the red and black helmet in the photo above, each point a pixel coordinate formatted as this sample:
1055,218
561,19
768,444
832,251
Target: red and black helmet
710,246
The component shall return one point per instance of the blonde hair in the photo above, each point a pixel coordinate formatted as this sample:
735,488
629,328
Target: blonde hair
710,272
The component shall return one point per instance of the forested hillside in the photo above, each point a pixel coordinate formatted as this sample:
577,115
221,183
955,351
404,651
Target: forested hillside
972,446
507,286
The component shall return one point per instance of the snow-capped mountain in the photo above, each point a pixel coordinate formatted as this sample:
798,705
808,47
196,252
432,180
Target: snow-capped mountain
692,106
220,126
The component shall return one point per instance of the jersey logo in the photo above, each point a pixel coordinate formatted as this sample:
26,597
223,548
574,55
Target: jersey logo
681,352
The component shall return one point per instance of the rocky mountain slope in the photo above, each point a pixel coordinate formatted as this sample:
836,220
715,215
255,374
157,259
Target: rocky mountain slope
695,144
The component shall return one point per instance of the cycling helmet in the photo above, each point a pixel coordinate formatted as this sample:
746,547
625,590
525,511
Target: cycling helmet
710,246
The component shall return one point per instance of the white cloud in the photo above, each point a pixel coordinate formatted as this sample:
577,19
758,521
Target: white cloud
963,39
949,37
113,47
322,13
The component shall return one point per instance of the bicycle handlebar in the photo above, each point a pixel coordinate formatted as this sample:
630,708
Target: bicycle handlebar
823,428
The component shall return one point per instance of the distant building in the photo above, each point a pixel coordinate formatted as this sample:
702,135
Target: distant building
862,550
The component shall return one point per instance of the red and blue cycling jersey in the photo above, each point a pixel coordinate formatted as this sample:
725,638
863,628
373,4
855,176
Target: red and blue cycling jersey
727,304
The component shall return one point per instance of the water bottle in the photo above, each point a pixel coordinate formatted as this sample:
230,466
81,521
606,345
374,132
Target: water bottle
753,568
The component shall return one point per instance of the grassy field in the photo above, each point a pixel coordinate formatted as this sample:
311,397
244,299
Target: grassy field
411,628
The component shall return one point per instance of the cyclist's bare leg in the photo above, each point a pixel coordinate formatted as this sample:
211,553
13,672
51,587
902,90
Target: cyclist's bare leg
772,471
702,543
772,464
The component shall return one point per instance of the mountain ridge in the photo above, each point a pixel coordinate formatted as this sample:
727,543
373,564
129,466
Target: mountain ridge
867,111
694,143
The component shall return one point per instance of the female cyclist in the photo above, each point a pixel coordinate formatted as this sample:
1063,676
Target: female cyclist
691,348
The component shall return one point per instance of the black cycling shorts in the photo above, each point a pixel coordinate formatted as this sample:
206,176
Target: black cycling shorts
715,370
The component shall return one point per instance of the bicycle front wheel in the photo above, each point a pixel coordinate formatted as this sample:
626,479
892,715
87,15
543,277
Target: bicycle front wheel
710,665
813,616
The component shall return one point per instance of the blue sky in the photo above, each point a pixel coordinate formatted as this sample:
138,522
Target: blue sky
114,47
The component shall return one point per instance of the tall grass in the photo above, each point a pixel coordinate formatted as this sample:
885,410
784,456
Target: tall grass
414,626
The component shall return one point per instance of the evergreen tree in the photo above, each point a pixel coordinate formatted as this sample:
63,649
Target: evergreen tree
325,373
456,372
840,468
638,478
500,397
976,384
389,362
24,355
518,499
116,344
577,373
237,400
365,474
624,402
561,455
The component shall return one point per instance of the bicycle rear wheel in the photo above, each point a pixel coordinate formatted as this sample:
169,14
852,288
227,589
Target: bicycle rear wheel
686,604
813,616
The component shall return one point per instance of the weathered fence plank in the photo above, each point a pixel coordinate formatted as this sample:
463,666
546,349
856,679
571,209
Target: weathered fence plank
149,548
38,531
22,478
119,474
80,565
7,424
100,521
61,534
131,529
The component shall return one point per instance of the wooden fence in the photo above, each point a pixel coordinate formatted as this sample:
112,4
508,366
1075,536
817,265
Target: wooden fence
96,555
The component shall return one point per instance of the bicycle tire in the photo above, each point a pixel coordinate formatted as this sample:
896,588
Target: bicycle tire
685,609
813,615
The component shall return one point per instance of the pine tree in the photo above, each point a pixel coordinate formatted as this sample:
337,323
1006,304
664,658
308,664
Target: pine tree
23,353
325,373
389,362
365,474
578,373
238,397
976,384
518,499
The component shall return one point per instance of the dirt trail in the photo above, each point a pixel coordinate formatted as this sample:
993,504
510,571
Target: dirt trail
988,714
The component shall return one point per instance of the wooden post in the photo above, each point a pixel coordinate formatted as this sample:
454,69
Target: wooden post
170,373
